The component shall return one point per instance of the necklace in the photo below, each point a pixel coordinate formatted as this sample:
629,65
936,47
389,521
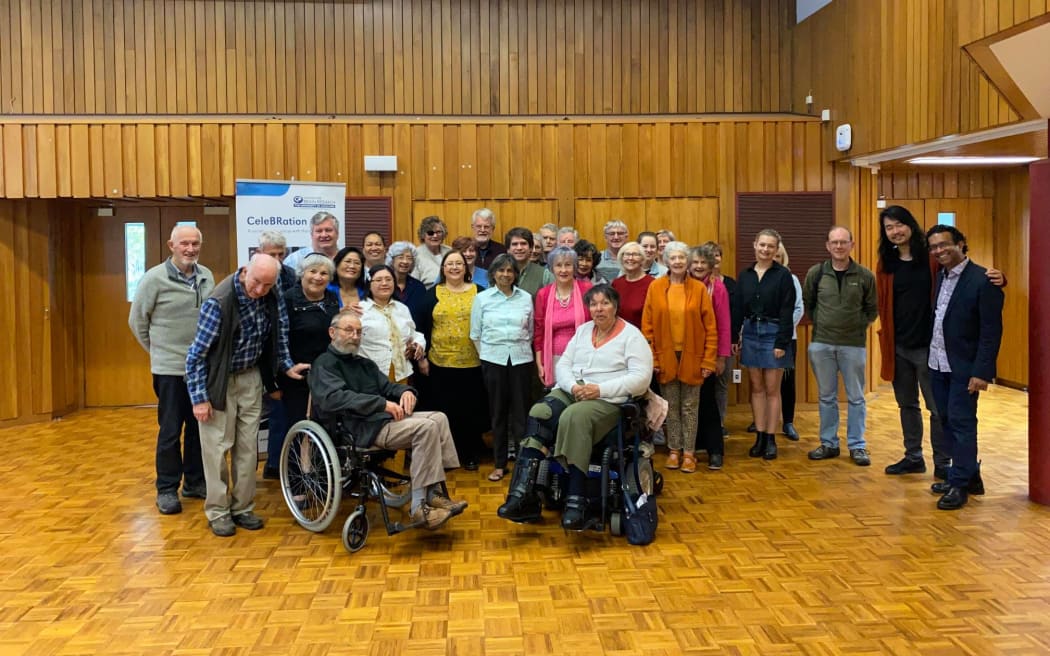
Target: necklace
563,301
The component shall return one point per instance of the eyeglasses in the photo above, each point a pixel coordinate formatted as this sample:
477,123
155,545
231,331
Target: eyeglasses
349,330
839,243
435,233
616,233
936,248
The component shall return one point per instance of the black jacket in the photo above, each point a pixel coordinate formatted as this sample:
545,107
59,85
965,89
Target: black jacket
352,386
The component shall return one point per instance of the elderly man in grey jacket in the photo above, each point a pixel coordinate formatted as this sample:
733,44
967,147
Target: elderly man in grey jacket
163,319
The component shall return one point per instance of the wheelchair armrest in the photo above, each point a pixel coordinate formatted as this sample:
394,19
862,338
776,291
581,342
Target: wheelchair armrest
632,409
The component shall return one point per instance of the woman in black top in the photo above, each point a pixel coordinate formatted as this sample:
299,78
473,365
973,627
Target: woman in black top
722,383
310,307
762,317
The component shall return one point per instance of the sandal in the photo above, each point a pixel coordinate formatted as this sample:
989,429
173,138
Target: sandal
497,475
673,461
688,463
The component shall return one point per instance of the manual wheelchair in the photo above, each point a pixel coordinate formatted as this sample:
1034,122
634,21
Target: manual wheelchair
317,471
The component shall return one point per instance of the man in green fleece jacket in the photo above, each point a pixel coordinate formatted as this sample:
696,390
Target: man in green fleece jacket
841,302
163,319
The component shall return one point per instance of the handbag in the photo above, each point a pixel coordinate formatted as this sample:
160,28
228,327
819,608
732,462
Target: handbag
641,520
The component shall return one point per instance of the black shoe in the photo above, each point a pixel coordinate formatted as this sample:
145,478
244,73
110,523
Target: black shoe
199,491
271,474
906,466
823,452
790,432
940,472
953,499
759,447
770,452
472,465
752,428
940,487
168,503
860,457
714,461
522,504
575,517
223,526
248,520
975,486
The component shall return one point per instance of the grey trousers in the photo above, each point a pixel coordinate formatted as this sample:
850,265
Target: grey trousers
234,431
912,376
429,437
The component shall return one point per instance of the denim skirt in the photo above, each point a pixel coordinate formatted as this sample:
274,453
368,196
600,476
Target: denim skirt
756,346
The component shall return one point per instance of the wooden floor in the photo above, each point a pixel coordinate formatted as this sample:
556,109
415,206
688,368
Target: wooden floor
783,557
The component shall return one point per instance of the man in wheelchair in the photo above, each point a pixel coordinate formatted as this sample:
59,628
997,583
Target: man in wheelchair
606,363
379,413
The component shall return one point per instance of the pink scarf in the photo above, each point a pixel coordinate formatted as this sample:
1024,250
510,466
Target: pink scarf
548,328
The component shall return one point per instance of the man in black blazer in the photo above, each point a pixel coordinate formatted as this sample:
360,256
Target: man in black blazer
967,330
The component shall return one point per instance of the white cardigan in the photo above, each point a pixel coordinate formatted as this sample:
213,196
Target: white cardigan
375,335
622,367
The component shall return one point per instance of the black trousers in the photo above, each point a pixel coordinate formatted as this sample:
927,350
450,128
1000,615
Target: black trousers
178,455
709,421
509,388
458,393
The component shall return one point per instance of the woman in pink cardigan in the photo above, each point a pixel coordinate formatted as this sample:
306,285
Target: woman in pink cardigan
709,428
559,312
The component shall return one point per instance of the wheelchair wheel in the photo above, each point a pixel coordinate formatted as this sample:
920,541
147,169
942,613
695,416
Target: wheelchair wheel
645,481
616,524
355,530
310,476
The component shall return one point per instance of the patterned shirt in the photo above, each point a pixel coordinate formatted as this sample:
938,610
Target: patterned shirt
450,344
938,353
255,326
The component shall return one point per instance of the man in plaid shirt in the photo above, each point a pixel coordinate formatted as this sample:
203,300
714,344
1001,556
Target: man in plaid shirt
240,346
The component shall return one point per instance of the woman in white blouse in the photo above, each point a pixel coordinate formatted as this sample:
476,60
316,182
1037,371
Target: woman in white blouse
389,336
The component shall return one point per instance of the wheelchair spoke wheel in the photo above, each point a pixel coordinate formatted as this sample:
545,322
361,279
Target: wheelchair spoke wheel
355,530
310,476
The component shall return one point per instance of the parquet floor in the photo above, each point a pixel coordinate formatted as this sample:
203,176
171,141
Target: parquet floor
787,557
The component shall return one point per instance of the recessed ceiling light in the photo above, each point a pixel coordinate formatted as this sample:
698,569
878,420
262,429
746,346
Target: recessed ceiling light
971,161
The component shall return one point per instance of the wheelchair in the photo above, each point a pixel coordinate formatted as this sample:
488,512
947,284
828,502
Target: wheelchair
317,471
621,463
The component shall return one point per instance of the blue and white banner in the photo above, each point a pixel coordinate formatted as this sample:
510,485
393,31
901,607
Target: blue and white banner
285,207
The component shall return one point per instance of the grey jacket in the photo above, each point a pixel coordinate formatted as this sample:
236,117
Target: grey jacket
163,315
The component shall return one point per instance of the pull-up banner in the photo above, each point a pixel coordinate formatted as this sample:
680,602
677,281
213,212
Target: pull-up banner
285,207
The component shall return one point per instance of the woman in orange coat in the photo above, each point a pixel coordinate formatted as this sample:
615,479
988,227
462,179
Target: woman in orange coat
679,322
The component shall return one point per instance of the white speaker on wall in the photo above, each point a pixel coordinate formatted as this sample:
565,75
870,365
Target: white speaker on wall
381,162
844,137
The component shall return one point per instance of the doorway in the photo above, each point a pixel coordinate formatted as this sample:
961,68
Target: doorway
116,250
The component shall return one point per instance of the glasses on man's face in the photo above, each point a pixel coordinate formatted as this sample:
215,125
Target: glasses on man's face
937,248
435,233
349,330
616,233
839,243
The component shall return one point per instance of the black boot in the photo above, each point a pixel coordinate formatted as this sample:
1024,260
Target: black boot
575,517
770,452
522,504
759,447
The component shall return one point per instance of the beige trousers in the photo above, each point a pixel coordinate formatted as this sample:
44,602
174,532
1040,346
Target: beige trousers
234,431
430,438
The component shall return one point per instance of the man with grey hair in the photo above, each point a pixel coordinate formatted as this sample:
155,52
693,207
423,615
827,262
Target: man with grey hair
167,300
324,239
240,346
616,235
548,239
567,236
483,222
274,244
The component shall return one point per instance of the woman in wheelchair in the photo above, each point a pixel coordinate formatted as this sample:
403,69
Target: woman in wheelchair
606,363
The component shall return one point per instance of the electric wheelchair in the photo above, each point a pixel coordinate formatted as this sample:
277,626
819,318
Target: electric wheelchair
317,471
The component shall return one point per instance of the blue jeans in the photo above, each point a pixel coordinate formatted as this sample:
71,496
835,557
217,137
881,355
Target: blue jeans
828,361
958,411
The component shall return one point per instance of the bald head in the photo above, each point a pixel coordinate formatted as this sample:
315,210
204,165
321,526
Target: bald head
260,275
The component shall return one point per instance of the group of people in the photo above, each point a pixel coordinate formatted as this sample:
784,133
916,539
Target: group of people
428,346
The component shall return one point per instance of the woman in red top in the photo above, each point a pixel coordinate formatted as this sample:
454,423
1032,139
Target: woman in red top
633,284
559,312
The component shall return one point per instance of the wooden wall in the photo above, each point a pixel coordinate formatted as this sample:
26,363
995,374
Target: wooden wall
576,171
896,70
1012,225
441,57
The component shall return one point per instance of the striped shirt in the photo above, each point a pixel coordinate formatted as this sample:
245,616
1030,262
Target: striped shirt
938,352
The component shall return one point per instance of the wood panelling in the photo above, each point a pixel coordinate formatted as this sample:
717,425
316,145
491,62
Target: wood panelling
441,57
1012,225
67,316
25,309
553,165
897,71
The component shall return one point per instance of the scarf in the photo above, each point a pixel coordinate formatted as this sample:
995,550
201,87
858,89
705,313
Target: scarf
397,346
576,300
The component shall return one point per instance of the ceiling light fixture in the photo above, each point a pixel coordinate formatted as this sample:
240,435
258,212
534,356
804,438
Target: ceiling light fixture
970,161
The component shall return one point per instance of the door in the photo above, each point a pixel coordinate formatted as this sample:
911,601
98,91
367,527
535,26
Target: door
134,239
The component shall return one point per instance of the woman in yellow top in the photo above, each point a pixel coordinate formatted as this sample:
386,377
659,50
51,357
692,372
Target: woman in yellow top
454,385
678,321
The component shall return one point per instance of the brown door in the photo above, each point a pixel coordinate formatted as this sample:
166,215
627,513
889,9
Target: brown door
116,367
